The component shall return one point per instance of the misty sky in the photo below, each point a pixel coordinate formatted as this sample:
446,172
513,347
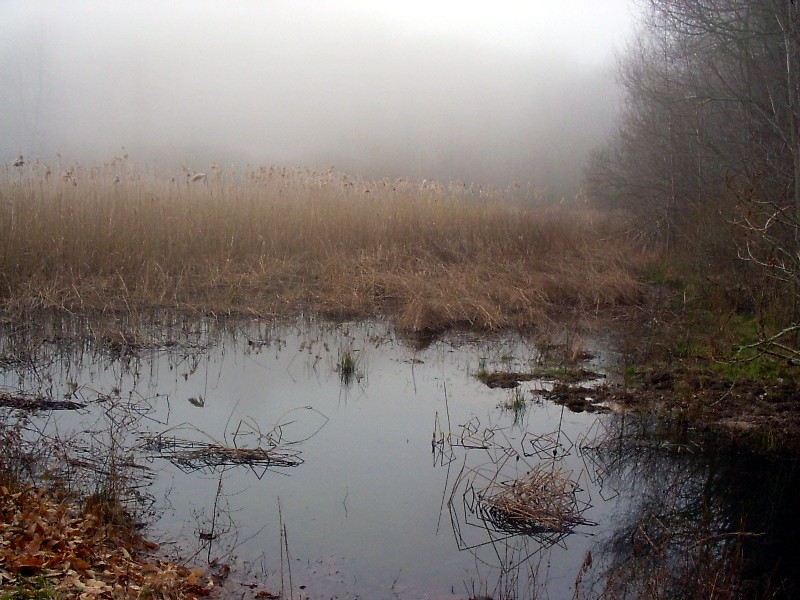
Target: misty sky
481,91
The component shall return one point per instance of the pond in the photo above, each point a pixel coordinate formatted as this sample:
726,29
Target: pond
344,461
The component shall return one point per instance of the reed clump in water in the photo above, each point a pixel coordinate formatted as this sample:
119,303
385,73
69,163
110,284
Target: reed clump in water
542,501
280,242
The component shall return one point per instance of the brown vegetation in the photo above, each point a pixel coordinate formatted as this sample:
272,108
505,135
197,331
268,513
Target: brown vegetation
543,500
280,242
52,545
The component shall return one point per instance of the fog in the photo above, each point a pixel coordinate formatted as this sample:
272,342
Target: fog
433,90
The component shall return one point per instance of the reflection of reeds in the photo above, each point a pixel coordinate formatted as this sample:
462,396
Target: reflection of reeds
99,465
542,501
33,403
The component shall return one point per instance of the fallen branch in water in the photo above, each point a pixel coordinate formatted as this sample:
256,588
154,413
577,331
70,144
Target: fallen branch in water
265,450
20,402
191,455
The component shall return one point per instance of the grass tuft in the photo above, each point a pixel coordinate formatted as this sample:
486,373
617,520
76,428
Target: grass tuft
347,366
516,404
30,588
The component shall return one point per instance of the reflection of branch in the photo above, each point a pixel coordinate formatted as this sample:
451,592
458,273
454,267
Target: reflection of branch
213,532
679,539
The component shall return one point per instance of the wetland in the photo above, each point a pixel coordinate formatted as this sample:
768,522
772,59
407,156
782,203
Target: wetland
249,445
296,383
484,358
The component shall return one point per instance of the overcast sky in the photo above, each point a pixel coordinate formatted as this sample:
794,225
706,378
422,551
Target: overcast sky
482,91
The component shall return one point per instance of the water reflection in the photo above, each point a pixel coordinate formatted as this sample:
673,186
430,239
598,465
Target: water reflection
517,494
245,443
702,519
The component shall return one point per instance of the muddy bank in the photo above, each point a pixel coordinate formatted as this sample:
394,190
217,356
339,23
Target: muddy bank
762,415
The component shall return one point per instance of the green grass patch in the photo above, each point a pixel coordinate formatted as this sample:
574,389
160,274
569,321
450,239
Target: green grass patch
348,366
515,402
31,588
692,348
762,368
737,363
663,274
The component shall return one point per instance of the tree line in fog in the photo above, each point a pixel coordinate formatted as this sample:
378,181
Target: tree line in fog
709,125
707,154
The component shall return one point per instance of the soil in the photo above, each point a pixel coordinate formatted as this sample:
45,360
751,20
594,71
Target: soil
507,379
56,547
762,415
503,379
578,398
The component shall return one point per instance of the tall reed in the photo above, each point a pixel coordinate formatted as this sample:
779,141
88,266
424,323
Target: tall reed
273,241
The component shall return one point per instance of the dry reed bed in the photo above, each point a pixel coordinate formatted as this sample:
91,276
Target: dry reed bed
280,242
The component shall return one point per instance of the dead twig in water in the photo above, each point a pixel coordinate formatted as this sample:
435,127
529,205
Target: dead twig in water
189,455
20,402
268,450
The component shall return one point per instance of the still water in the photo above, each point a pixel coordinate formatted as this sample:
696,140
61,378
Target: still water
379,494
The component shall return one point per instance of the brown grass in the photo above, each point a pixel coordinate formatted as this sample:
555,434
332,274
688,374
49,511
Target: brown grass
281,242
542,501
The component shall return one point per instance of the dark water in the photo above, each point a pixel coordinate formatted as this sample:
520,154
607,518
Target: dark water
374,508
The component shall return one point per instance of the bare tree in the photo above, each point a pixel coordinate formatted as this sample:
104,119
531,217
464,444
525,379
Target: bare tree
710,127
